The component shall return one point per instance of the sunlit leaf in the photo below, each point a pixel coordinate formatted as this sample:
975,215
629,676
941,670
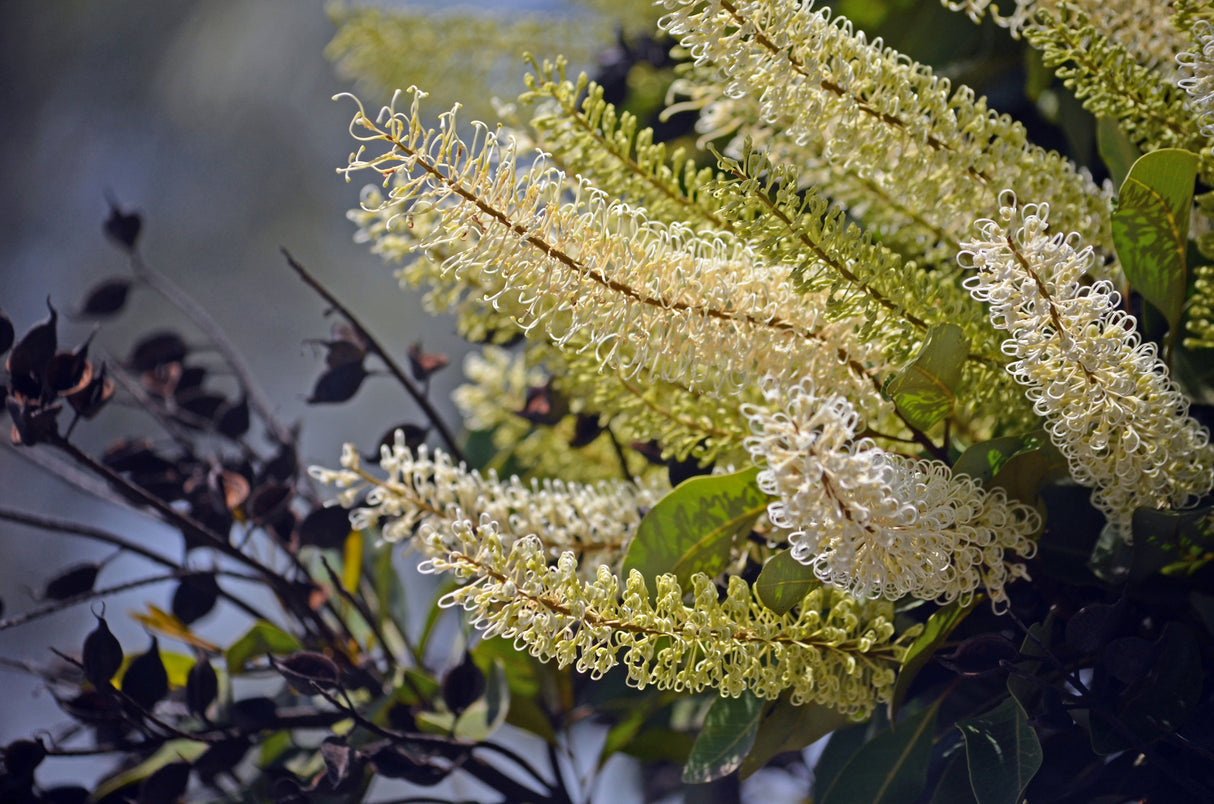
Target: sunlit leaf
176,666
1151,227
166,624
728,734
352,564
784,582
172,751
692,529
925,390
259,640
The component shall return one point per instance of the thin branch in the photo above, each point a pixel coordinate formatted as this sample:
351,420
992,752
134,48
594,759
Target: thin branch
378,350
78,479
202,319
94,594
359,606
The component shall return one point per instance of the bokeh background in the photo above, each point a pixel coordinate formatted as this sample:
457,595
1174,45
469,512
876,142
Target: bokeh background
214,120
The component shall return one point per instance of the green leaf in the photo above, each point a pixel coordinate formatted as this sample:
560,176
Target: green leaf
660,745
954,785
935,631
172,751
784,582
786,727
176,666
1165,540
923,392
1116,149
623,732
1002,752
891,768
1151,227
259,640
729,731
839,750
692,529
1019,465
352,563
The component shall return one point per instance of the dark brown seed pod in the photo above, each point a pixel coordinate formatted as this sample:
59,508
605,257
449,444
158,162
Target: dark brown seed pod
102,654
201,687
146,681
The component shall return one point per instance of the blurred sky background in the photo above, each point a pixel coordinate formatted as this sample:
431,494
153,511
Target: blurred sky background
214,121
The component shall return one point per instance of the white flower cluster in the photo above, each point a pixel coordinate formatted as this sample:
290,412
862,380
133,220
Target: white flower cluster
821,92
597,521
874,523
1196,76
647,299
835,650
1106,397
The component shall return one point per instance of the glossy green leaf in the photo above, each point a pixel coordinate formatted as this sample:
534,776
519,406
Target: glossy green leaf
1019,465
1002,752
729,732
954,785
786,727
839,750
935,632
259,640
924,391
1116,149
891,768
1151,227
172,751
784,582
693,528
984,459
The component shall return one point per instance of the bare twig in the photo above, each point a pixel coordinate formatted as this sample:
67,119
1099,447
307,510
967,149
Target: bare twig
202,319
378,350
57,525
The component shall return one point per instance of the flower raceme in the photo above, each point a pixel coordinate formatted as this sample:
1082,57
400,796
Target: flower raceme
874,523
536,559
835,651
1106,397
1196,76
649,300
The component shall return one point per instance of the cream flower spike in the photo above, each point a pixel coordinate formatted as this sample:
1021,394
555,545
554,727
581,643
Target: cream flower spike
1106,397
874,523
1196,76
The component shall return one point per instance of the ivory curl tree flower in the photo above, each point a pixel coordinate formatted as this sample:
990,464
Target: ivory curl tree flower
877,321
